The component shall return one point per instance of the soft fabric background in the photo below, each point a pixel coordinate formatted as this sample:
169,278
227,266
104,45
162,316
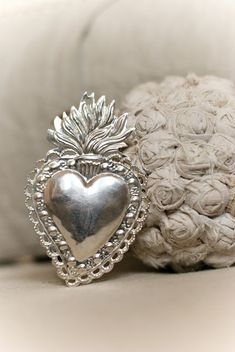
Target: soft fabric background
130,309
53,50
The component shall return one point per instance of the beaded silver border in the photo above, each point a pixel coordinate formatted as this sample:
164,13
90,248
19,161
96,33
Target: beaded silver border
68,268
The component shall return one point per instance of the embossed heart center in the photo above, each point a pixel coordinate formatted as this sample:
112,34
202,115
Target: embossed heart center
87,212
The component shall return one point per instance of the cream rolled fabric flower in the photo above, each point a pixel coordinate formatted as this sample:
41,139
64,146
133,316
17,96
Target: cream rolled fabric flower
215,96
212,85
192,123
185,142
177,98
224,249
150,119
224,149
225,121
208,196
144,96
221,259
194,159
189,258
183,228
166,189
152,248
157,150
225,227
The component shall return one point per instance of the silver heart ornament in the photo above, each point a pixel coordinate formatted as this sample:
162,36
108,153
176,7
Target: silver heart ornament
86,200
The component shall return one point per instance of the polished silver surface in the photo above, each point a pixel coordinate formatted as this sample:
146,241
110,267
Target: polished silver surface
92,128
87,212
85,199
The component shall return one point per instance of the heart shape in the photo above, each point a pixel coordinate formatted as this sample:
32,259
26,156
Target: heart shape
87,212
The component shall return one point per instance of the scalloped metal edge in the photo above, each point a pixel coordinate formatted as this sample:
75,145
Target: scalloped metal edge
58,260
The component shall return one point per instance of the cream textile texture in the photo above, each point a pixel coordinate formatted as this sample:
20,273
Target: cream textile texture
185,131
53,50
132,42
40,67
144,310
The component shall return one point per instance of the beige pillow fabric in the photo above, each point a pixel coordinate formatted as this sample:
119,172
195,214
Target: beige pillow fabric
52,50
40,77
138,41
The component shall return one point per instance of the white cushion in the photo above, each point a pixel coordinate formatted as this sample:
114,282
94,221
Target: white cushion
136,41
130,309
40,77
52,50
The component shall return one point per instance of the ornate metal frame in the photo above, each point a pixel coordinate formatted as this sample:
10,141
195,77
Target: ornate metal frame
88,140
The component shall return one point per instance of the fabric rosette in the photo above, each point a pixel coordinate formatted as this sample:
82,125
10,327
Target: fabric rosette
225,121
157,150
225,227
166,189
141,98
224,249
224,150
186,258
183,228
151,247
149,120
208,195
193,123
194,159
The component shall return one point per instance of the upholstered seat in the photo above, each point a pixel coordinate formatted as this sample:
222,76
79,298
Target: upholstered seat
51,51
131,309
